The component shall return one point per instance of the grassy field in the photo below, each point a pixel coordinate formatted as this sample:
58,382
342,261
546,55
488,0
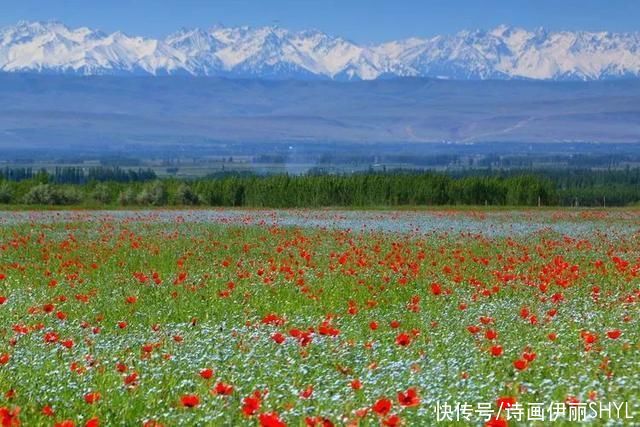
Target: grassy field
131,320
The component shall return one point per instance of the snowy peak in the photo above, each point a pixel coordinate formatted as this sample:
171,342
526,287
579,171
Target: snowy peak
503,52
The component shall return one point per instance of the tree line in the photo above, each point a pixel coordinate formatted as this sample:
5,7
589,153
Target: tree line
110,187
78,175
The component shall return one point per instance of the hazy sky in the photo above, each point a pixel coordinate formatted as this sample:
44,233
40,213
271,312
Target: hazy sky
363,21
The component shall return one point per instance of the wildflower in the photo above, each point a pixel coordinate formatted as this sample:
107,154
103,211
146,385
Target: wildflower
190,400
409,398
382,406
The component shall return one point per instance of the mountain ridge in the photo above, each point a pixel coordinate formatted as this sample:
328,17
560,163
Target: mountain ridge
273,52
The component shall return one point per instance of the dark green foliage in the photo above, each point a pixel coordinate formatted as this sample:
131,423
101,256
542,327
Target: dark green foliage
498,188
79,175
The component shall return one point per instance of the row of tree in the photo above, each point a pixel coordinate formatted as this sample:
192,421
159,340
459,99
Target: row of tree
498,188
359,190
78,175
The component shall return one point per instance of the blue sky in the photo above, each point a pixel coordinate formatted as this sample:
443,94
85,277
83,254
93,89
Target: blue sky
364,21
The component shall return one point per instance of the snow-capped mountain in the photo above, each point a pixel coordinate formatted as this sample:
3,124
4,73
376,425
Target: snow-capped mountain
273,52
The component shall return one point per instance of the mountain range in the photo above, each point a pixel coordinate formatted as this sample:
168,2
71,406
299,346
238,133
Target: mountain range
277,53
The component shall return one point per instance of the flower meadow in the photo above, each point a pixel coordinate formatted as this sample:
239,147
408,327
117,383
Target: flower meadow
314,318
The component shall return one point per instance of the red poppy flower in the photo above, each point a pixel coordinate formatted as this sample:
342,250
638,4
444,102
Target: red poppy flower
131,379
392,421
278,338
520,364
92,422
614,334
4,358
51,337
318,422
190,400
10,417
403,339
223,389
409,398
271,419
251,404
382,406
505,402
589,338
206,373
92,397
307,392
356,384
436,289
497,422
496,350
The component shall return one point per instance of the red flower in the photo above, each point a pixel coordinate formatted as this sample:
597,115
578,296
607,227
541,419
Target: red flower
65,423
496,422
307,392
271,420
325,328
206,373
190,400
4,358
356,384
382,406
223,389
131,379
491,334
588,337
278,338
50,337
436,289
251,404
272,319
403,339
92,422
92,397
520,364
48,411
614,334
9,417
496,350
318,421
392,421
373,326
505,402
409,398
132,299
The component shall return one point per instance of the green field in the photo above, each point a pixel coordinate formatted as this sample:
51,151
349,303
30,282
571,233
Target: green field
258,318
